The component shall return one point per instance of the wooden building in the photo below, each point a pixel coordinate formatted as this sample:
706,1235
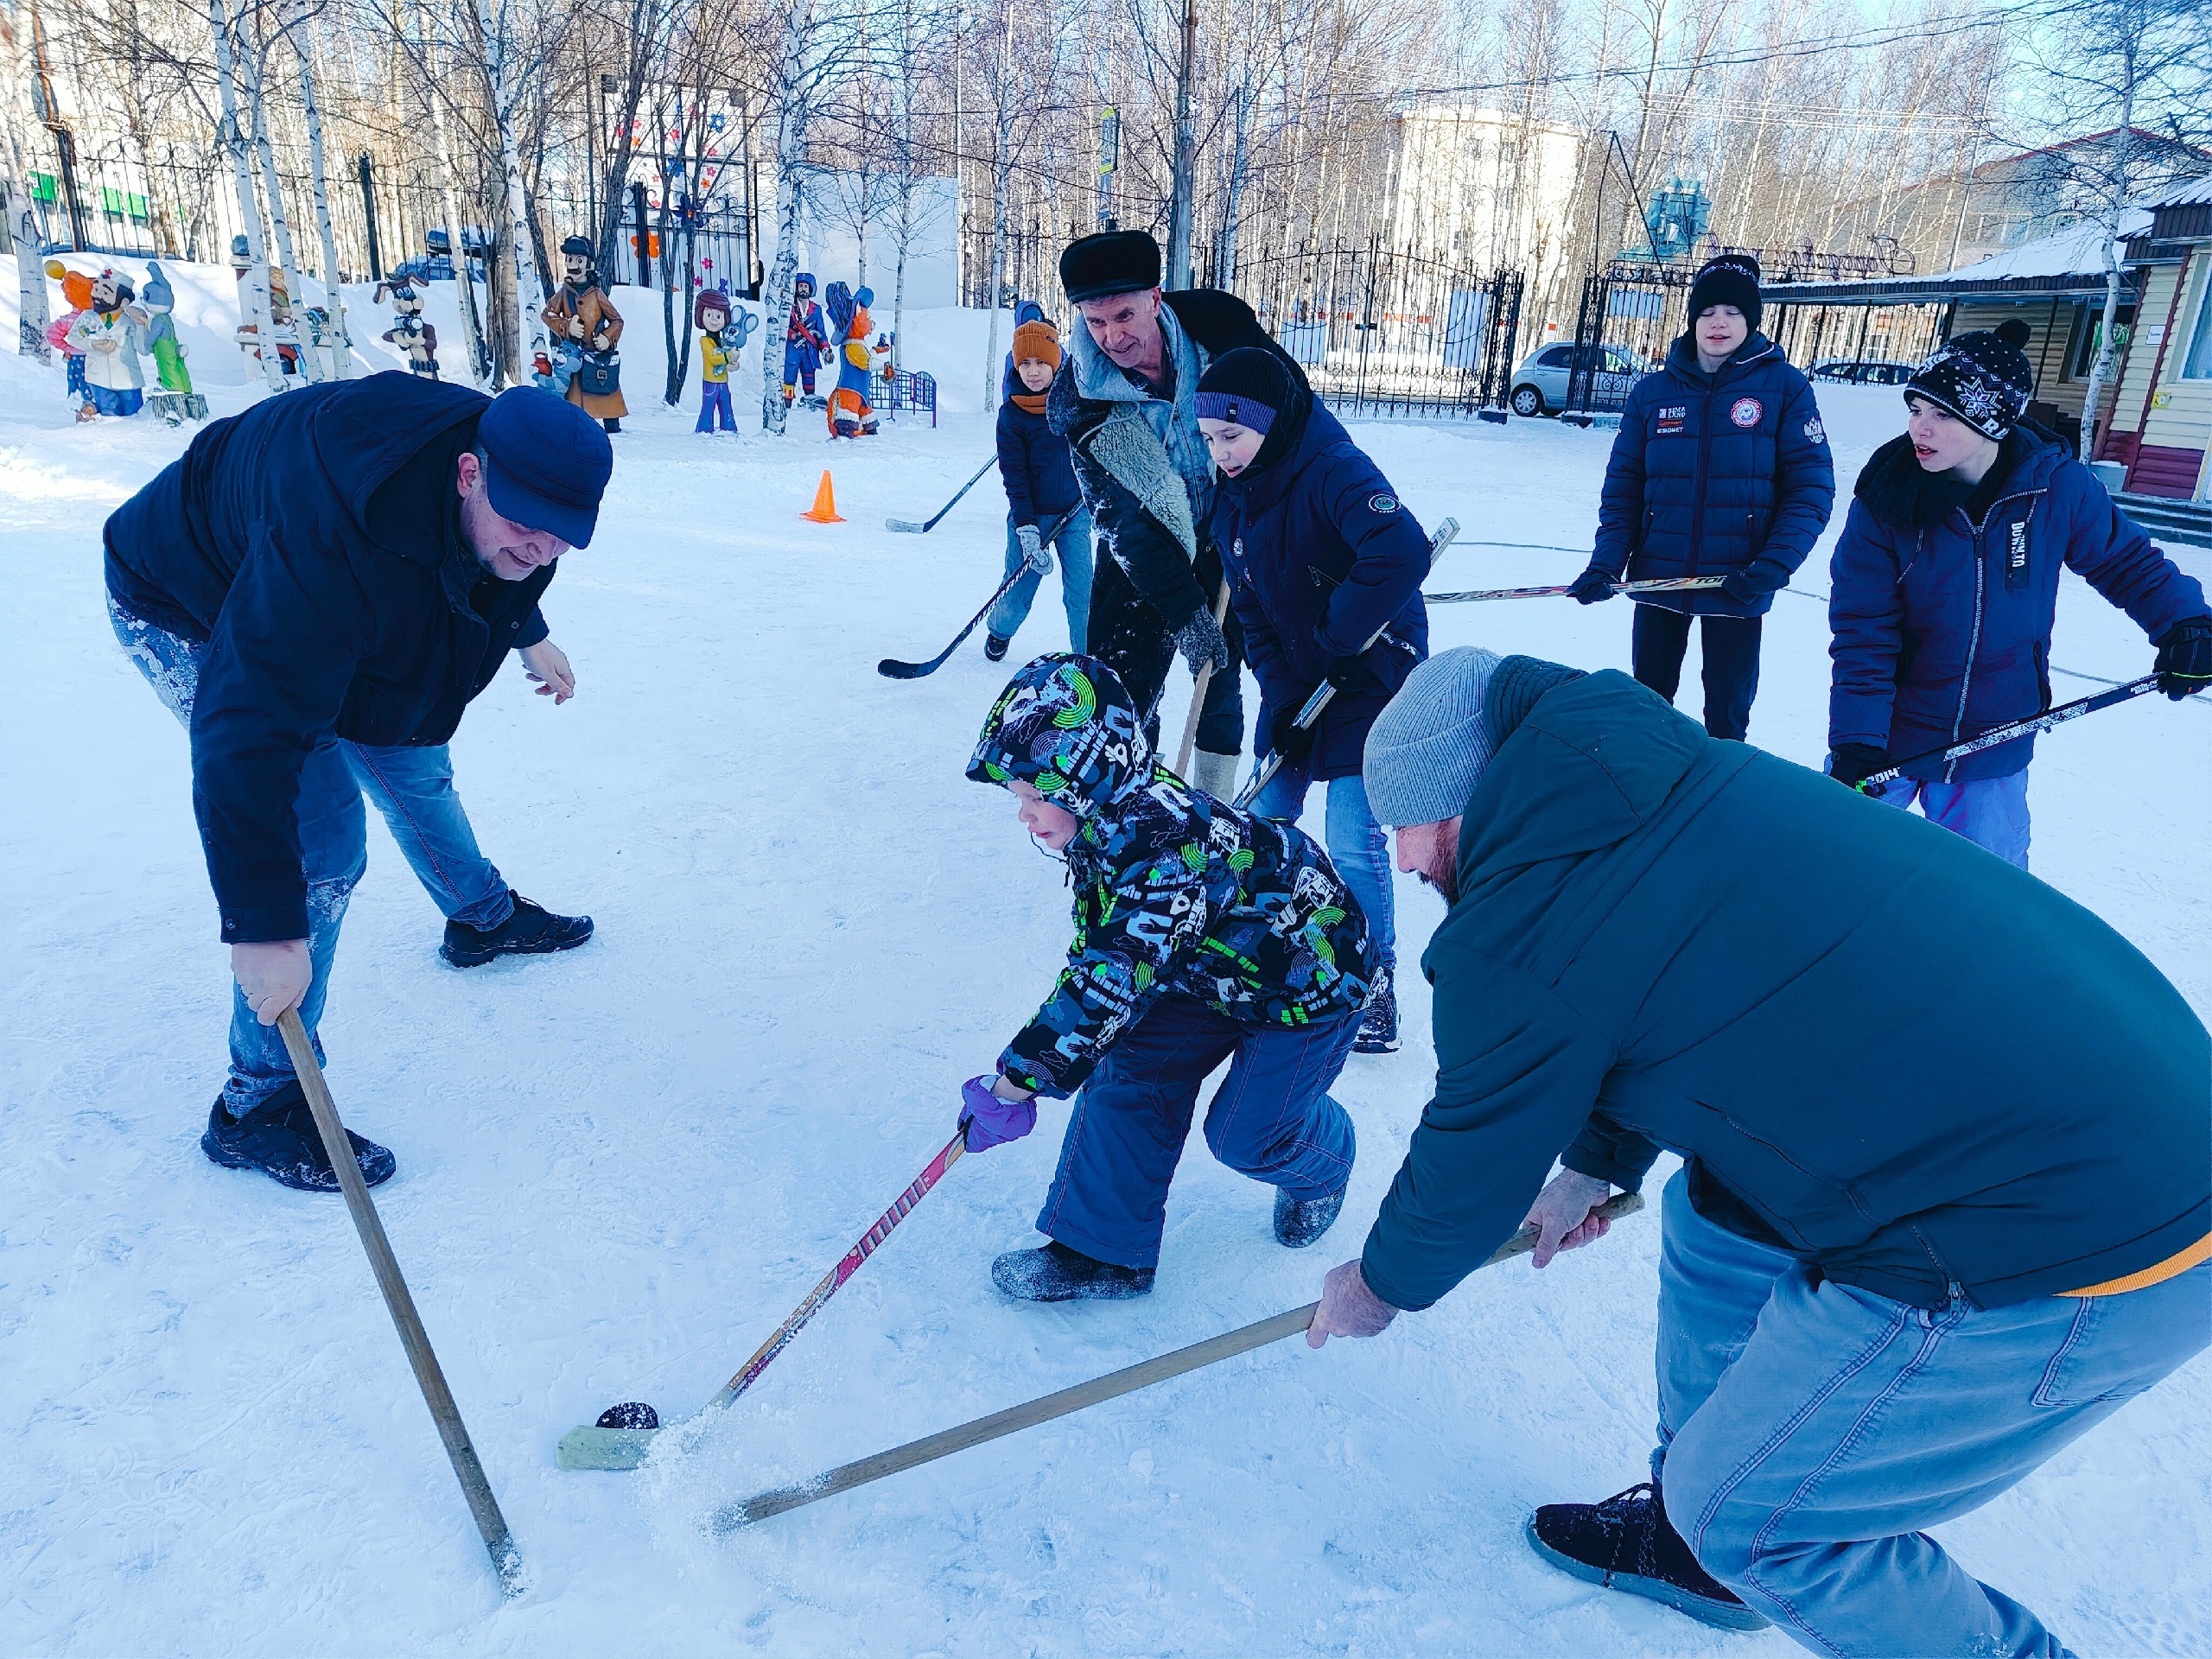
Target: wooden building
2160,423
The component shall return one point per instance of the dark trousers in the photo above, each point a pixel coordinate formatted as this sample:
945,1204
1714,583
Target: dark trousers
1130,638
1729,647
1272,1119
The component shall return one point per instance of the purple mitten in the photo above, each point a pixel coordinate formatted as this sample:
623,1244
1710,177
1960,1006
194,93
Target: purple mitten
991,1121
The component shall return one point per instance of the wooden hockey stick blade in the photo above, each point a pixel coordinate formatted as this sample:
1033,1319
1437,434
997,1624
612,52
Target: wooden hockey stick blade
1113,1384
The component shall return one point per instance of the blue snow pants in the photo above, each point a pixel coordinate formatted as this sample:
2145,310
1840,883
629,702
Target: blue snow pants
1810,1433
1990,812
1272,1119
714,399
1357,846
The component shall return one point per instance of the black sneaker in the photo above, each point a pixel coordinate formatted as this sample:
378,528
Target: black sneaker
994,648
279,1139
1627,1543
1298,1222
1057,1273
1378,1021
532,931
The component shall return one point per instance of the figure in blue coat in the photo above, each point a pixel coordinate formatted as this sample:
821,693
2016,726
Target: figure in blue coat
317,589
1721,468
1944,586
1321,554
805,339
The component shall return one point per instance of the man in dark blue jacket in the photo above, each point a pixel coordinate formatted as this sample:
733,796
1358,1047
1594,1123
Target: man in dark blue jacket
1944,586
317,588
1322,558
1721,468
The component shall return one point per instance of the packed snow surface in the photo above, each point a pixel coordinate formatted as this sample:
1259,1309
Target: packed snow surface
619,1168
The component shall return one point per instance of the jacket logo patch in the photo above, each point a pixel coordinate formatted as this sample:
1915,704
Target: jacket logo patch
1382,502
1745,411
1668,420
1815,432
2016,555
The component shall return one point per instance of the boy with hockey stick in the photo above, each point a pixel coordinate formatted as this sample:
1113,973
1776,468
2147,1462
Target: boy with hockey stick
1946,1200
1944,586
1721,467
1040,485
1202,933
1320,556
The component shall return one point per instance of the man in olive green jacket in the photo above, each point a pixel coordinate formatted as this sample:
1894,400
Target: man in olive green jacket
1947,1192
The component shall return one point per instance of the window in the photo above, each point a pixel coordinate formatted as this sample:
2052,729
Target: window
2091,330
1559,357
2197,365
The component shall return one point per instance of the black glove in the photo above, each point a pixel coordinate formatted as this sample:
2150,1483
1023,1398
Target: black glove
1849,762
2184,662
1200,641
1289,740
1742,586
1344,672
1593,585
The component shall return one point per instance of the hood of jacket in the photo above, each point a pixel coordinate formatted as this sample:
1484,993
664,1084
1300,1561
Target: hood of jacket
1066,724
366,430
1899,490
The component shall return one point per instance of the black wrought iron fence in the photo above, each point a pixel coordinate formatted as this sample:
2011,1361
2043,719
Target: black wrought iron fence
1629,314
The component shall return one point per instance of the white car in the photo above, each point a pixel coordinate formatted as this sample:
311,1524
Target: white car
1540,383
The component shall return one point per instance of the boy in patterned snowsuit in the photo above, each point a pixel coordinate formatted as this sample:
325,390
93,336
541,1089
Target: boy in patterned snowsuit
1201,932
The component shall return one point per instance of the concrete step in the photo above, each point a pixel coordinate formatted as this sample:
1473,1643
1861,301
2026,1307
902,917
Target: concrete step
2187,522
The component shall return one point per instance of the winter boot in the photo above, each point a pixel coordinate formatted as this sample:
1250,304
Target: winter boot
532,931
614,425
1214,773
1057,1273
1627,1543
1298,1222
994,648
1378,1021
279,1139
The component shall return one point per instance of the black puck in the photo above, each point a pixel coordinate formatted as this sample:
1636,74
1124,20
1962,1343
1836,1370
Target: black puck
631,1413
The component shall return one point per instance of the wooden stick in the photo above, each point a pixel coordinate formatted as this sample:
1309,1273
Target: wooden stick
1016,1417
1198,687
506,1559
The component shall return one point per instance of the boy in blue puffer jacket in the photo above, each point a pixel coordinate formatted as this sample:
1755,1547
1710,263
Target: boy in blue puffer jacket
1945,584
1320,554
1202,934
1721,468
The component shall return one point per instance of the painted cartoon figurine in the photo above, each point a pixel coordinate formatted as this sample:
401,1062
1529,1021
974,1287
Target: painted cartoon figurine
77,294
804,340
176,402
243,266
580,315
112,334
724,330
851,415
418,338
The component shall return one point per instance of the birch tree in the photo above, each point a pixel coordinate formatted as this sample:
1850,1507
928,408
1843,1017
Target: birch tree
254,281
300,32
505,74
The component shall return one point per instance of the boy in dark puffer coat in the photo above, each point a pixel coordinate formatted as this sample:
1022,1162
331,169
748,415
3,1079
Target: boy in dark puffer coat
1721,468
1320,556
1945,585
1201,932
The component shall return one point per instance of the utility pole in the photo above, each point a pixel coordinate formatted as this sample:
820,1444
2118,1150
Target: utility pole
1180,206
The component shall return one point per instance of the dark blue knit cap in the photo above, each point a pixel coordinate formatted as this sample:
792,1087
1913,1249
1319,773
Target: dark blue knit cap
1247,386
547,462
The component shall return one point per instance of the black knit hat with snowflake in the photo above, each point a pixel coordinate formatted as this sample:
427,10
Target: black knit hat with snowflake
1983,377
1729,279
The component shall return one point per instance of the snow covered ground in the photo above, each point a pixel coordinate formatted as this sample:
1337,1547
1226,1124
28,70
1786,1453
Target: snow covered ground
619,1168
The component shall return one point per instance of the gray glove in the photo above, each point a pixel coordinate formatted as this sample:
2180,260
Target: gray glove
1199,641
1034,548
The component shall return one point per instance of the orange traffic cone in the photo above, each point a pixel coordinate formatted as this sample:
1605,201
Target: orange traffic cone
824,510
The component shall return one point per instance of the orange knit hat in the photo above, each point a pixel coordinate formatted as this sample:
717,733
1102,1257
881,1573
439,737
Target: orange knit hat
1038,340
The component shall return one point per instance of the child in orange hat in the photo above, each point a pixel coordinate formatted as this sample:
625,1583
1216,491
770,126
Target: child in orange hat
1040,492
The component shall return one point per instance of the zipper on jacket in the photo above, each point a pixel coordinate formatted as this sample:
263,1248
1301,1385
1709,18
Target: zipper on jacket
1974,640
1704,466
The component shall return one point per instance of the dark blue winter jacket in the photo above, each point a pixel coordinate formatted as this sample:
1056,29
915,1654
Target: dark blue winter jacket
1716,474
1941,625
1034,463
314,543
1321,554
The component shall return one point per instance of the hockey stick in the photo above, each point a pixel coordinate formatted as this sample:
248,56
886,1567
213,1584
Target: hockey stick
2006,733
1665,585
1198,687
892,669
927,525
612,1448
506,1559
1326,693
1115,1383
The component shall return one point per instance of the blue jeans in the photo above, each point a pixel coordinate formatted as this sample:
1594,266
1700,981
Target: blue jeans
1073,546
1810,1431
714,399
124,400
1357,844
1990,812
413,788
1272,1119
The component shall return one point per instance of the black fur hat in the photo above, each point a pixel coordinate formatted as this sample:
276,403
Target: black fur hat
1110,262
1983,377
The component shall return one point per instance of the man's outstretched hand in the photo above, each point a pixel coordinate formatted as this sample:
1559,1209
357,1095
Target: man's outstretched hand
1562,1214
1348,1307
274,977
548,664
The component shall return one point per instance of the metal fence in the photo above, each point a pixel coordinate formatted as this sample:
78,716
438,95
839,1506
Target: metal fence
1628,315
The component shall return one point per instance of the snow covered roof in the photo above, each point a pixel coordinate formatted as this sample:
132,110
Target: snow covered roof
2187,194
2078,250
2071,260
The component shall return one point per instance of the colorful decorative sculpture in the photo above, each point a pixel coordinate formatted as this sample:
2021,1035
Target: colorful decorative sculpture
851,415
582,319
176,402
418,338
112,334
804,340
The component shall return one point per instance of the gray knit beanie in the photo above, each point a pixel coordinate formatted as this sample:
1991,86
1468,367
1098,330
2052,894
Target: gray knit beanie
1426,749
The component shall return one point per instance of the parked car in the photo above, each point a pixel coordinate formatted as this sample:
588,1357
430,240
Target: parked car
1869,372
1540,383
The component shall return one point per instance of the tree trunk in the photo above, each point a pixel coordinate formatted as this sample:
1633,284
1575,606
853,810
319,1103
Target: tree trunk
32,318
793,112
254,282
464,290
529,298
310,360
302,44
